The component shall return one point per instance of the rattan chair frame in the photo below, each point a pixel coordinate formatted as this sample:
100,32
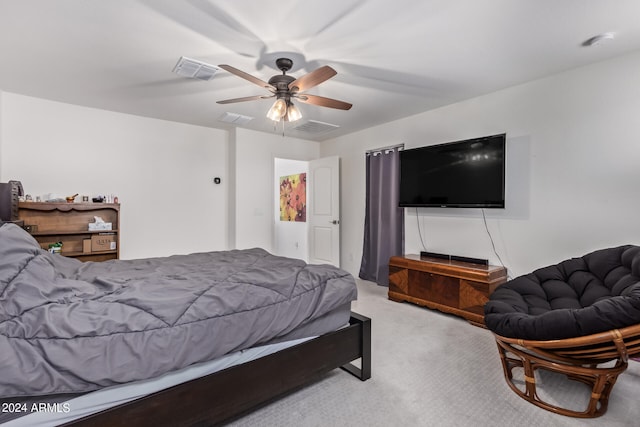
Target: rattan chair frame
586,359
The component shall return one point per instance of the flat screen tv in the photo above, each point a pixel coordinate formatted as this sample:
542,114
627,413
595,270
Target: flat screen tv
461,174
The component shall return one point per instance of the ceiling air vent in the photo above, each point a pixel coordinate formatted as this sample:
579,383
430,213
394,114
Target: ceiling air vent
314,126
236,119
194,69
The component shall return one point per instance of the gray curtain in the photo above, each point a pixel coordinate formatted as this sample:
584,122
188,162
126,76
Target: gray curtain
384,220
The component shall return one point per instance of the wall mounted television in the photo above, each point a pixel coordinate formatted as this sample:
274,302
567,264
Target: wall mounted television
461,174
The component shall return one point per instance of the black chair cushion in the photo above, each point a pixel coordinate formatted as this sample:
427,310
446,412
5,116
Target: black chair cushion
581,296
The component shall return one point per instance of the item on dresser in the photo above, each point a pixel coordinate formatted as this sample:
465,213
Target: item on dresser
55,248
99,224
103,242
53,198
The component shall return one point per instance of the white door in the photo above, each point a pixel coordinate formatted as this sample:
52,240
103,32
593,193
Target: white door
324,211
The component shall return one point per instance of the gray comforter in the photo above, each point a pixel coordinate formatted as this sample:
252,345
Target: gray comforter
68,327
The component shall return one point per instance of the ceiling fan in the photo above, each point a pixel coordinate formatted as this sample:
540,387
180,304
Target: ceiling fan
285,87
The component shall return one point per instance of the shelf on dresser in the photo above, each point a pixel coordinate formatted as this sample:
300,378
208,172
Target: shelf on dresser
68,223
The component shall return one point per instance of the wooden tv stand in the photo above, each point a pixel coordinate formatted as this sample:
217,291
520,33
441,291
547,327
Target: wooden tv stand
455,287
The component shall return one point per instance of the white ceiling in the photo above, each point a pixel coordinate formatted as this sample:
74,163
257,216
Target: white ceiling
394,58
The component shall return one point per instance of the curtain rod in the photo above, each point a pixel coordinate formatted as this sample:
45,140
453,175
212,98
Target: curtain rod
391,147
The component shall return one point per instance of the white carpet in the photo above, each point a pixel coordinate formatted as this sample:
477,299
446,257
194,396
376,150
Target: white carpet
433,369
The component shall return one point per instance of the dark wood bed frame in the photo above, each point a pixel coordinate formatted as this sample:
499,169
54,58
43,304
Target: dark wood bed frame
229,393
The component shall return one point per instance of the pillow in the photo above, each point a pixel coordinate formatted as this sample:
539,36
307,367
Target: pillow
17,248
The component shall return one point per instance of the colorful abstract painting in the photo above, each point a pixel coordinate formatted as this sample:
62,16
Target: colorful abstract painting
293,198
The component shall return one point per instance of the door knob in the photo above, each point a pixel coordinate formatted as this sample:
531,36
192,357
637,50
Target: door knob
335,221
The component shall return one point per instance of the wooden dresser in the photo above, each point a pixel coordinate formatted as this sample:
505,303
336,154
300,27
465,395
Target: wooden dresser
456,287
69,223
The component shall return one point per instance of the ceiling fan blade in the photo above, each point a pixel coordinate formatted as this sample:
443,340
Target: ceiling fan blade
323,102
246,98
312,79
247,76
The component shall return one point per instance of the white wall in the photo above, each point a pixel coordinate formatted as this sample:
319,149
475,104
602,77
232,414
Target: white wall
1,133
161,171
572,179
290,237
573,175
254,175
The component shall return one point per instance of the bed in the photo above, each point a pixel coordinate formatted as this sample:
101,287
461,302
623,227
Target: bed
70,329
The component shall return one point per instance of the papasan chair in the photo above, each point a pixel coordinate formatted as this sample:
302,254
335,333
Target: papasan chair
580,318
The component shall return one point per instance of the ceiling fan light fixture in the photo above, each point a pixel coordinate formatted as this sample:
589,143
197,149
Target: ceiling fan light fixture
277,110
285,87
293,113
